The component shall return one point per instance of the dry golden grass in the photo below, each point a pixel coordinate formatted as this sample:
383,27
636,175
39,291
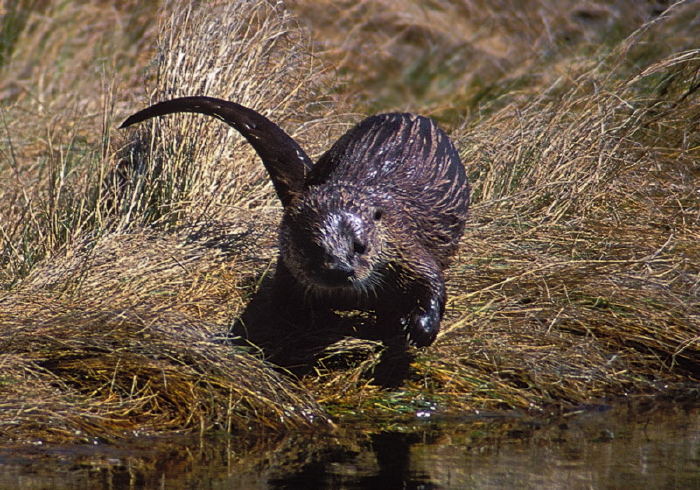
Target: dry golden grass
192,168
127,256
123,341
96,325
448,58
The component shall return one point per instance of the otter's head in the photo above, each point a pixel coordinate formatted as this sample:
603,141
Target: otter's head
333,238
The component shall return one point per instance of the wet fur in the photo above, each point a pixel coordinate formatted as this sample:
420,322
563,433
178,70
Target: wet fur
372,225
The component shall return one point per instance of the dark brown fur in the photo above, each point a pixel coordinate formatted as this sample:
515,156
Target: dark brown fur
371,225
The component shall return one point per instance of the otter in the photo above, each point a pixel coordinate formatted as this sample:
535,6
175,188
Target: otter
371,226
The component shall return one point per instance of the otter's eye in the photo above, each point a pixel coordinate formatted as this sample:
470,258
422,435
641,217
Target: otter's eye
359,248
377,214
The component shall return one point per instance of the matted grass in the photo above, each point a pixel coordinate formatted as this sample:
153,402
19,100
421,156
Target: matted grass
127,256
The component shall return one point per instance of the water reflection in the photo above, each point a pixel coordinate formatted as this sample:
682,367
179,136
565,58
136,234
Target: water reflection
619,448
385,462
626,447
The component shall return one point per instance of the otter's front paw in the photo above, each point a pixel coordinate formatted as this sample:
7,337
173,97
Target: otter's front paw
423,324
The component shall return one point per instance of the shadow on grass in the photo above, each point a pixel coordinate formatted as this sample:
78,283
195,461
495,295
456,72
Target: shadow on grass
304,341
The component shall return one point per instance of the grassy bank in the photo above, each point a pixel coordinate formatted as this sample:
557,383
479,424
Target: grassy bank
127,256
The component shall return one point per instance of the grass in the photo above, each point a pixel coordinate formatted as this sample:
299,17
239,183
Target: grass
126,256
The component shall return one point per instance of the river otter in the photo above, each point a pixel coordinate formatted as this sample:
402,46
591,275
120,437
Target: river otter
371,225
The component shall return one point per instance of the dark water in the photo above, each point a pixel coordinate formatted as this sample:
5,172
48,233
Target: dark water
657,446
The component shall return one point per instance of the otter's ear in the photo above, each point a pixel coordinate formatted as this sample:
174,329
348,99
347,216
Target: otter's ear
283,158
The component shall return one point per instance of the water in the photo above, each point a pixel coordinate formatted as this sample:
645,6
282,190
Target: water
657,446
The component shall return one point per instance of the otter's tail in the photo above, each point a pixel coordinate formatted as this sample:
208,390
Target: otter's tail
283,158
